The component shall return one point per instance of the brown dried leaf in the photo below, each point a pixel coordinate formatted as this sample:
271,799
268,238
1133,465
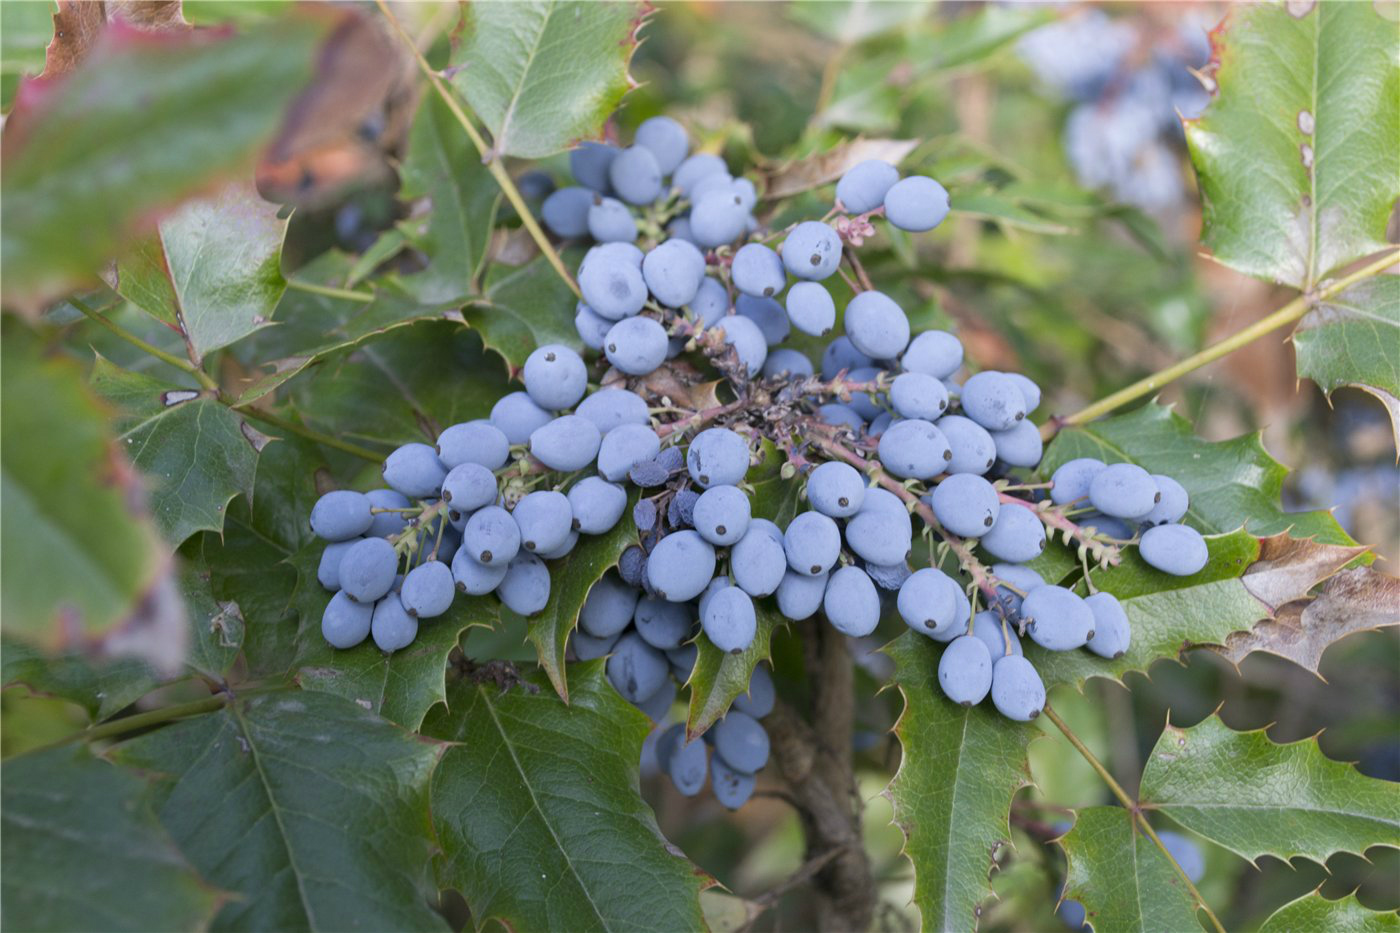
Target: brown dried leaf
1355,600
1288,568
153,15
826,167
339,130
76,26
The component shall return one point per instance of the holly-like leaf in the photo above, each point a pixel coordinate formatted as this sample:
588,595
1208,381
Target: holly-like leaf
82,851
401,686
537,808
522,309
142,122
1306,106
959,769
100,687
1315,912
326,801
1255,798
1231,483
84,558
444,167
213,269
571,577
407,385
718,676
1004,211
311,327
1244,581
827,167
1122,878
1349,340
1354,600
196,453
216,627
543,74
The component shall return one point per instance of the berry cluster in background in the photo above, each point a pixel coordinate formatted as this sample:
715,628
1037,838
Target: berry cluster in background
1130,93
879,431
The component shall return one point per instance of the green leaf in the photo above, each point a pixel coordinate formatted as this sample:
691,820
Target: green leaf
216,627
544,74
1315,912
1244,581
311,809
524,308
1004,211
407,385
959,769
1255,798
82,551
571,577
140,124
402,686
849,22
444,167
1231,483
1122,878
82,851
195,452
718,676
1349,340
537,808
1306,107
213,269
312,327
101,688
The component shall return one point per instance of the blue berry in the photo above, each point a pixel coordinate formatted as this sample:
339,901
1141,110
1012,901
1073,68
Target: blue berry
1017,535
673,272
812,251
916,204
565,212
666,140
635,175
1175,549
680,566
367,569
610,221
851,603
525,587
341,515
636,345
391,625
345,623
1124,490
836,489
717,457
965,670
517,417
567,443
810,308
415,471
758,270
609,408
864,185
427,590
728,619
876,325
966,504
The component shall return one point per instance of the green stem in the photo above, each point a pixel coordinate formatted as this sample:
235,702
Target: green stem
186,366
1132,807
292,427
493,163
1287,314
140,721
348,294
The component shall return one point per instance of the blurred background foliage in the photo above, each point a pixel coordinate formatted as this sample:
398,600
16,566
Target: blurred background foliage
1075,261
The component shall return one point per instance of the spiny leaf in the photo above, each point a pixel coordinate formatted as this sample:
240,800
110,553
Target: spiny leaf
443,167
1349,340
571,577
100,687
522,309
1354,600
1231,483
1306,106
952,794
1315,912
82,851
543,74
63,477
1122,878
1244,581
327,803
195,452
146,121
213,269
312,327
1255,798
216,628
537,808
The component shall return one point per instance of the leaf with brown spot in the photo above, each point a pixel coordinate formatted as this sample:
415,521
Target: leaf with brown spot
1357,600
826,167
76,26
